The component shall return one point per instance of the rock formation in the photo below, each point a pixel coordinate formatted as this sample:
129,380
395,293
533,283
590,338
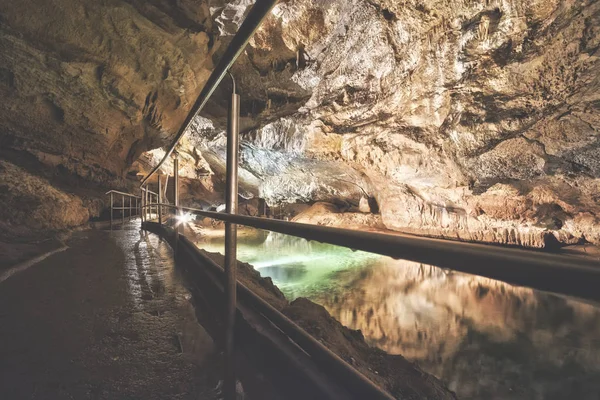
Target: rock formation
88,86
469,119
466,119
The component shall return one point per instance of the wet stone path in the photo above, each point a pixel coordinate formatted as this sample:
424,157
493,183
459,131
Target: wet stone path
108,318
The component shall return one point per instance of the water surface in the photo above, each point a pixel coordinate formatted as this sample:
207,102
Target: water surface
484,338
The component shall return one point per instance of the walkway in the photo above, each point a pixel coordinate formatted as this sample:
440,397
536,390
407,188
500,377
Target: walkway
107,318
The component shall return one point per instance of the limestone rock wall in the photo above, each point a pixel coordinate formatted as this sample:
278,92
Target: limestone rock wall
88,86
476,120
467,119
29,203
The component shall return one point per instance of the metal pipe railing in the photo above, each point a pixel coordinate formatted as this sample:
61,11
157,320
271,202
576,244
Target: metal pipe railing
148,196
560,274
257,14
149,191
360,385
537,270
130,207
122,193
159,200
231,201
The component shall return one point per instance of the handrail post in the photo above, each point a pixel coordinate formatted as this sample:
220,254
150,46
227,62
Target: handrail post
231,207
147,209
259,11
176,197
142,203
122,210
111,211
176,182
159,200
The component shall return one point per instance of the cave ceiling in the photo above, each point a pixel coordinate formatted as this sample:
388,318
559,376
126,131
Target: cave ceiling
469,119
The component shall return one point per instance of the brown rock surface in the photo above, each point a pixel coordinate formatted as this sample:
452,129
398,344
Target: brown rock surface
476,120
87,86
403,379
329,215
29,203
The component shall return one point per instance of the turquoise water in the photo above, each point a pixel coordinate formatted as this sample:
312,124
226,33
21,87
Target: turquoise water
484,338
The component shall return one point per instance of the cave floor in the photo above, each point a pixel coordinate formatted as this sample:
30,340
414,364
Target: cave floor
107,318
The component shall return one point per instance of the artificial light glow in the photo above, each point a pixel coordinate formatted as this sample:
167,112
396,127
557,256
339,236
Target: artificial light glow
185,217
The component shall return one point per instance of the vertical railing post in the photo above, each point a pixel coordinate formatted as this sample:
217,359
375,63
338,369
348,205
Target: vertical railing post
231,207
176,182
136,206
165,187
176,198
111,211
159,200
146,203
142,203
122,210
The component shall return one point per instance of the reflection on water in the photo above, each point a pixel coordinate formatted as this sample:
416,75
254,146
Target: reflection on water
484,338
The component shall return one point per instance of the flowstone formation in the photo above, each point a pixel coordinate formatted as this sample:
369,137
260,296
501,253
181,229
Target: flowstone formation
466,119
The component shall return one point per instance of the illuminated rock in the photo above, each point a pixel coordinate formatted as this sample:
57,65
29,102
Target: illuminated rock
476,120
471,120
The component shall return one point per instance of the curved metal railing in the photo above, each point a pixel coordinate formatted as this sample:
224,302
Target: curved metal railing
257,14
335,367
548,272
559,274
566,275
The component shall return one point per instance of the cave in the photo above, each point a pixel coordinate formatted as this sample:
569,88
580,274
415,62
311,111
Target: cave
457,124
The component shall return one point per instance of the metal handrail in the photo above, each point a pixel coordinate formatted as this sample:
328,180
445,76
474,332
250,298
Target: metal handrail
535,269
317,350
130,207
257,14
558,274
122,193
251,23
